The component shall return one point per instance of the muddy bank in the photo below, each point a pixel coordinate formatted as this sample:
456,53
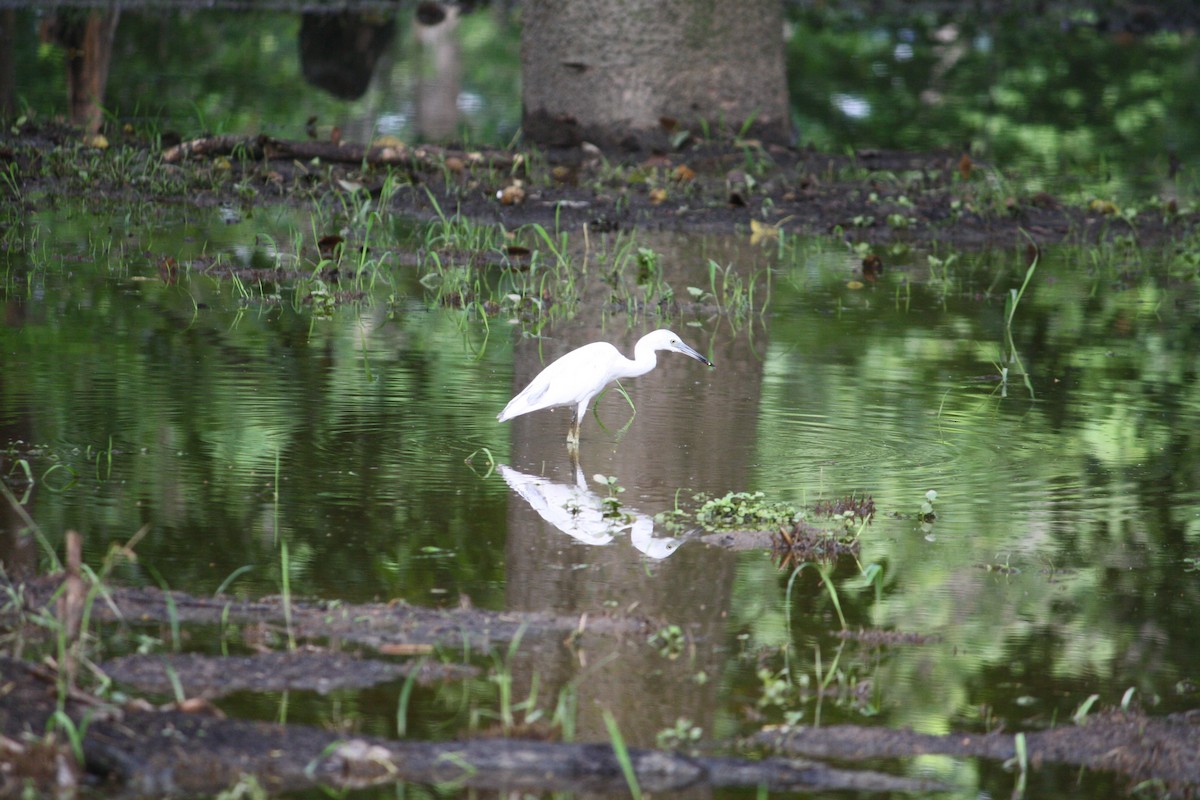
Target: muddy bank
1165,750
139,752
874,197
389,628
136,749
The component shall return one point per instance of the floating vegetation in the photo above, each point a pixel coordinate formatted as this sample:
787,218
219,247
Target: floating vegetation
745,511
853,510
803,544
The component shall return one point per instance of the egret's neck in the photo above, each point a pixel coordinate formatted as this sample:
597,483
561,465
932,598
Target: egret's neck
644,360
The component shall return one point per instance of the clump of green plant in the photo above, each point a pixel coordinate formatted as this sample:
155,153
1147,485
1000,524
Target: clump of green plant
669,641
732,294
745,511
797,693
611,503
927,513
682,733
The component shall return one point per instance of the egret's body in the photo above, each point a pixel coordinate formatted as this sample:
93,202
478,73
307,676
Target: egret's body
577,377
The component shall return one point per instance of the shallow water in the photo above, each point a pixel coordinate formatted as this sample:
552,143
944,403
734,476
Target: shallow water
1066,506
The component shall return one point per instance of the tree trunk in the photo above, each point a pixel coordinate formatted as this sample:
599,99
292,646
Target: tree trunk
628,71
87,36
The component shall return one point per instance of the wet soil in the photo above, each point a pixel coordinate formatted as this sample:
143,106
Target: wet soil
1161,749
187,748
139,752
877,197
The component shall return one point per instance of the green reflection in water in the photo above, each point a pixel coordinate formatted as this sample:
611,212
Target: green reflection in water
1057,565
1055,568
371,415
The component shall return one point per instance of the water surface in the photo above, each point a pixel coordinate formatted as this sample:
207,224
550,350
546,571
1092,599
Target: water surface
226,419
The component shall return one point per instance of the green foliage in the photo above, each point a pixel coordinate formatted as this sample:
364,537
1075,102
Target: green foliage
1058,93
744,511
669,641
252,82
611,502
681,734
622,752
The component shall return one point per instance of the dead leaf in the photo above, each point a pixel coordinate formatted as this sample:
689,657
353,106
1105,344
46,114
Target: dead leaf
657,196
683,173
198,705
1104,207
512,195
405,649
455,165
964,167
765,232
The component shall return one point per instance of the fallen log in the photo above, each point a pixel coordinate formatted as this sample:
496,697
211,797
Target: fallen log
136,752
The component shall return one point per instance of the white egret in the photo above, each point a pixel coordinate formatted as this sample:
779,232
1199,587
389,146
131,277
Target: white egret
580,375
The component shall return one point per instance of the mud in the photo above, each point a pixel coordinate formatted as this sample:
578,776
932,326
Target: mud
1161,749
307,669
139,750
703,187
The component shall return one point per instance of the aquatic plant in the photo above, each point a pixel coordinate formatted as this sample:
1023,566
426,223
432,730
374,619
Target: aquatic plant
669,641
622,753
683,732
803,543
611,502
744,511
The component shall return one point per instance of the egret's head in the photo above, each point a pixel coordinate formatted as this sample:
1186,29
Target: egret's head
663,339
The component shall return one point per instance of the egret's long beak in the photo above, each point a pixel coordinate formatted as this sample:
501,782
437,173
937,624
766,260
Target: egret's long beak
688,351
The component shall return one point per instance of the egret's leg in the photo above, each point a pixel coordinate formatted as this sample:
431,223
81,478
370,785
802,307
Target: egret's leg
576,423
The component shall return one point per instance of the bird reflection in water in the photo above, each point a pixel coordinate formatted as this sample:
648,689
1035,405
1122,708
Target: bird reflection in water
582,514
